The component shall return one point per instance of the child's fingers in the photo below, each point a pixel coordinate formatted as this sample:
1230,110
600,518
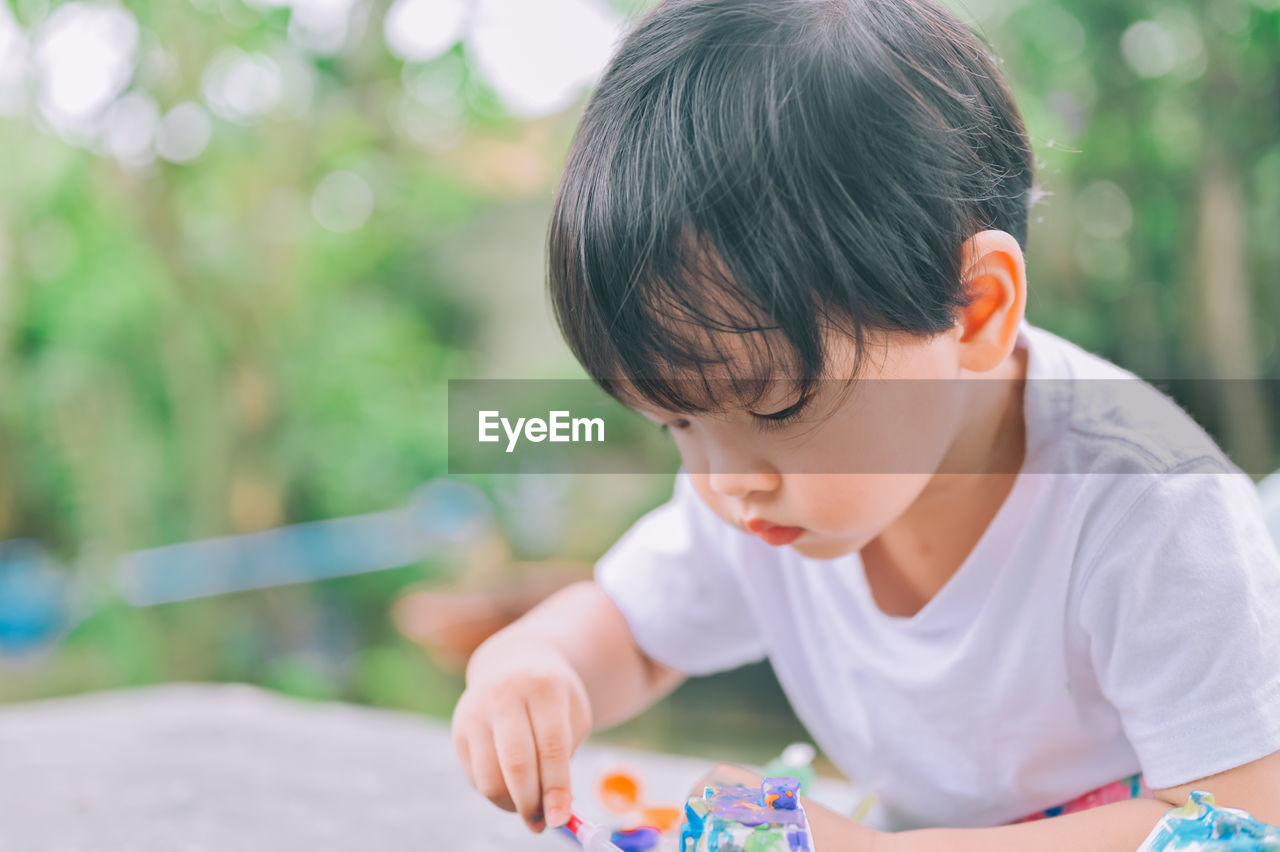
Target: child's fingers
486,773
553,735
726,774
518,760
462,746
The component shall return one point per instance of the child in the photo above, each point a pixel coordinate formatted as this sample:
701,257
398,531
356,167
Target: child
997,577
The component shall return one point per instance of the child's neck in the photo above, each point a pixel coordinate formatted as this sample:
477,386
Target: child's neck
910,562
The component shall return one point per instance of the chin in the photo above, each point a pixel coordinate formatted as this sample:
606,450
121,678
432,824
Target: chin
825,548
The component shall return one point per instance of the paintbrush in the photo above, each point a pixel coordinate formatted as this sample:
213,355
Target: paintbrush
590,837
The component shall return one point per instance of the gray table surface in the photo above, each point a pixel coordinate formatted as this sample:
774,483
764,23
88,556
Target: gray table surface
229,767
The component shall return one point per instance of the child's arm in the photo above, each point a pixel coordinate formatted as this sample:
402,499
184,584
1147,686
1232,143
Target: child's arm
1254,787
1120,827
536,689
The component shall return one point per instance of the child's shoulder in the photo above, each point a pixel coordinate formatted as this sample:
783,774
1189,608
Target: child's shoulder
1087,415
1135,472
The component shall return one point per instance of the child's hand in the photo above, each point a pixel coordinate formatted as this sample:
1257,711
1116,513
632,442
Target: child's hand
522,715
726,775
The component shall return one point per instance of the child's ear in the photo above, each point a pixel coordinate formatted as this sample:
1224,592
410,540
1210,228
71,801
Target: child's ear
995,278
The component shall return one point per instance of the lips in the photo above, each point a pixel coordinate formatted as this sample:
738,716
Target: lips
773,533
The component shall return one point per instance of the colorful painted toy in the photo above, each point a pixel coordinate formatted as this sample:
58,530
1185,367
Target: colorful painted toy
1201,826
747,819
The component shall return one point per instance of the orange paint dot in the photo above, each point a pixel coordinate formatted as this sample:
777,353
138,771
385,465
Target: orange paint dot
663,819
619,792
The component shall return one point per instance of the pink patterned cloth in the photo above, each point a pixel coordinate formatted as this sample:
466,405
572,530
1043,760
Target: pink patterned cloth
1133,787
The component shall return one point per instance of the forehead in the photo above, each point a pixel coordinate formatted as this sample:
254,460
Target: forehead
758,371
693,340
688,391
693,337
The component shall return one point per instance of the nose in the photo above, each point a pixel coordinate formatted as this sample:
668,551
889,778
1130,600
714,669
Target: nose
741,483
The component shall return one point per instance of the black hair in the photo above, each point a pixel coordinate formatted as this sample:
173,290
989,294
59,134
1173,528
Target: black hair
751,173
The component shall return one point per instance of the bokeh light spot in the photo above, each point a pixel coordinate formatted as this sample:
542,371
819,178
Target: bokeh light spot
130,128
242,87
540,56
1104,210
83,59
184,133
342,202
418,30
13,63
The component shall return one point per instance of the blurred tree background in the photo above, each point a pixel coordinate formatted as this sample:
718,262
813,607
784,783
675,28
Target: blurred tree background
244,245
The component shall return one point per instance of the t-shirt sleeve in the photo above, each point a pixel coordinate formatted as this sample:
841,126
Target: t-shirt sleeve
671,578
1181,608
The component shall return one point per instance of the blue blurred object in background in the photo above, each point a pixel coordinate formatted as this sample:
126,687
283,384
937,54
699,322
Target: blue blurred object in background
40,600
36,598
442,514
449,511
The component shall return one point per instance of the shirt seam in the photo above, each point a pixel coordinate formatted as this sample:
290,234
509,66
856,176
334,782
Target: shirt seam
1091,563
1118,438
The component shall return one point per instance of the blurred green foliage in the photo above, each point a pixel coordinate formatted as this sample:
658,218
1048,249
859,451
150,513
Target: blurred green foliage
1157,130
187,351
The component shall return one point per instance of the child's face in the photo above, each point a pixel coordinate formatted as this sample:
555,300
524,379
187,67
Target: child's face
854,460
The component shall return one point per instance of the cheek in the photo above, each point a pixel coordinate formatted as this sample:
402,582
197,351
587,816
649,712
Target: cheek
857,506
887,427
693,457
718,502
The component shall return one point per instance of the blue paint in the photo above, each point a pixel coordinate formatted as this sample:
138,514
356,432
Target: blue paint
780,793
1202,826
636,839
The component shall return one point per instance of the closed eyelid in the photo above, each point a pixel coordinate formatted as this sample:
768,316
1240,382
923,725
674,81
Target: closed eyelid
662,419
672,421
787,413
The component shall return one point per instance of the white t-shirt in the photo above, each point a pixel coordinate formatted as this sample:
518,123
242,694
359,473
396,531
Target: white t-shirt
1121,613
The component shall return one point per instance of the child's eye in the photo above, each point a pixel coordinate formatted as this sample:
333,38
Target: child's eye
678,423
780,418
